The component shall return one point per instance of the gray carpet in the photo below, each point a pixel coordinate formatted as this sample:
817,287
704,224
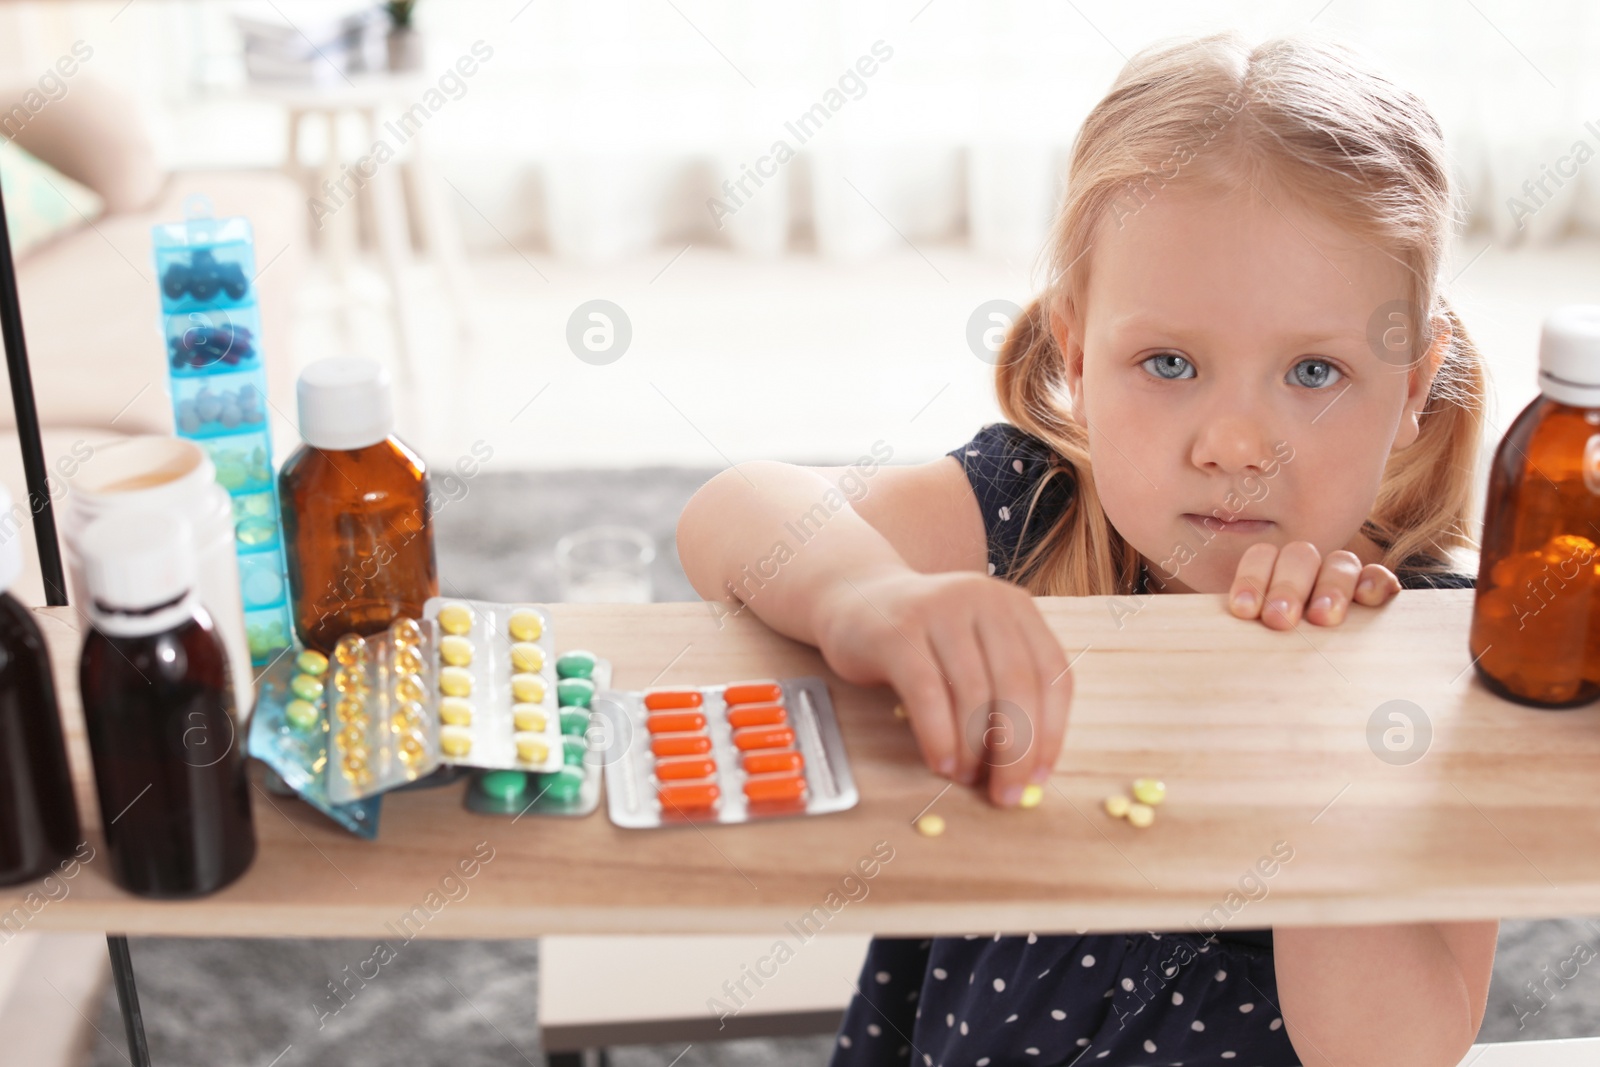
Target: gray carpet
470,1003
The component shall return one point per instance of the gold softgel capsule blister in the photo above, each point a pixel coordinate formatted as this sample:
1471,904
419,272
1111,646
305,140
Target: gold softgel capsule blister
385,726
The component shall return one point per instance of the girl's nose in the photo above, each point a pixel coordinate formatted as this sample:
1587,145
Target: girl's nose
1232,442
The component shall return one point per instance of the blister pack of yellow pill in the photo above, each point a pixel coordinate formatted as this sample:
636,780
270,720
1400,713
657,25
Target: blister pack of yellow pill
497,692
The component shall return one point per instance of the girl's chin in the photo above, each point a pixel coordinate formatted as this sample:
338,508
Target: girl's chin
1210,570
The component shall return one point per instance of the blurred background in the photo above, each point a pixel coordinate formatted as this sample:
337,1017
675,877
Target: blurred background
577,160
570,231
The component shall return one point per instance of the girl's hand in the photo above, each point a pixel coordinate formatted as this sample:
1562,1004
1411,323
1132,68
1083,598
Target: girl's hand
1275,584
983,680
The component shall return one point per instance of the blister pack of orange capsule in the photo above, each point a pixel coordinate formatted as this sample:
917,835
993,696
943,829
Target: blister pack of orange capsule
724,753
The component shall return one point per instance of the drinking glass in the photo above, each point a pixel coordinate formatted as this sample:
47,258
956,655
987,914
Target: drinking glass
605,565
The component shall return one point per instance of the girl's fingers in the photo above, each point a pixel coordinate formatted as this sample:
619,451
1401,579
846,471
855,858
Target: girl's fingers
954,640
1055,688
1335,587
1376,585
1292,575
1014,716
926,698
1248,594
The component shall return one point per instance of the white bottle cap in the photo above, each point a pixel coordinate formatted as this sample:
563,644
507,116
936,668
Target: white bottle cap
1569,355
134,561
345,403
12,520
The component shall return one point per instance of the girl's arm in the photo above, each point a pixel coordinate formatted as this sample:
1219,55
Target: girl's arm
755,530
1410,995
883,569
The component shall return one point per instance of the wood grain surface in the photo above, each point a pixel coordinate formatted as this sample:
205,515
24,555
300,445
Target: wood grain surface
1263,739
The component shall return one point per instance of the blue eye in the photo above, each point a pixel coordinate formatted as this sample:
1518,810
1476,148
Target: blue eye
1169,365
1324,373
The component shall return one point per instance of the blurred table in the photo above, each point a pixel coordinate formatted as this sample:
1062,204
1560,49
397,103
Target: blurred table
1267,740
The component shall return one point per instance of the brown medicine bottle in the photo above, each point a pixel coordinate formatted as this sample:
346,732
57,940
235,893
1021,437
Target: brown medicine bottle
158,706
38,815
1535,635
354,498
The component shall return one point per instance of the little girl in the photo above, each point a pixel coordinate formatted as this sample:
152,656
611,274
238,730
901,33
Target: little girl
1239,378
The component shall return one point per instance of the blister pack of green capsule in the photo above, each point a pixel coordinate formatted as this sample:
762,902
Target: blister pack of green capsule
289,733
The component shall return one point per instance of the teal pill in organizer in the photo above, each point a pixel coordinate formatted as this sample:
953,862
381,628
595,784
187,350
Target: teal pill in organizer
211,324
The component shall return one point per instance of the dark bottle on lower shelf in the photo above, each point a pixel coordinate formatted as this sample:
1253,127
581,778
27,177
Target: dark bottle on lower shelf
158,706
38,815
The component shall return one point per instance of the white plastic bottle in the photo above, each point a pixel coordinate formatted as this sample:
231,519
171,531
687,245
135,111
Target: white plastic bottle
173,476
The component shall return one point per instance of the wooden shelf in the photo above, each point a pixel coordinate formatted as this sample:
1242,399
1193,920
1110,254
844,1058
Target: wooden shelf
1261,736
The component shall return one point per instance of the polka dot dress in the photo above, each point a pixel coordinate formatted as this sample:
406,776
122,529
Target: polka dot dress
1018,489
1096,1000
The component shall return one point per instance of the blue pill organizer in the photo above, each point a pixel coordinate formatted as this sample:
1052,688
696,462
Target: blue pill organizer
211,323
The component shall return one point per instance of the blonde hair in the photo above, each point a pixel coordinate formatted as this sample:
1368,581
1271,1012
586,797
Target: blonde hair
1341,139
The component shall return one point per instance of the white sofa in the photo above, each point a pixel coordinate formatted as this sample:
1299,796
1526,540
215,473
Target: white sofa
90,304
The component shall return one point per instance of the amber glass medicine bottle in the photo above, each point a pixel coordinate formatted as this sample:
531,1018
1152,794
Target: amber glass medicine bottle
1536,619
38,816
158,706
355,508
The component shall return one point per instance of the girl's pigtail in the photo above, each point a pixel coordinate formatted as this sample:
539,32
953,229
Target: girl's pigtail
1427,508
1081,554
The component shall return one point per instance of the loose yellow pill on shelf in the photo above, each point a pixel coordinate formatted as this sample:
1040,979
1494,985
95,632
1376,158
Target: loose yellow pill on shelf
525,625
930,825
529,717
532,749
455,682
1031,796
1116,805
455,618
455,650
454,711
1149,791
527,656
1141,815
527,688
455,741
